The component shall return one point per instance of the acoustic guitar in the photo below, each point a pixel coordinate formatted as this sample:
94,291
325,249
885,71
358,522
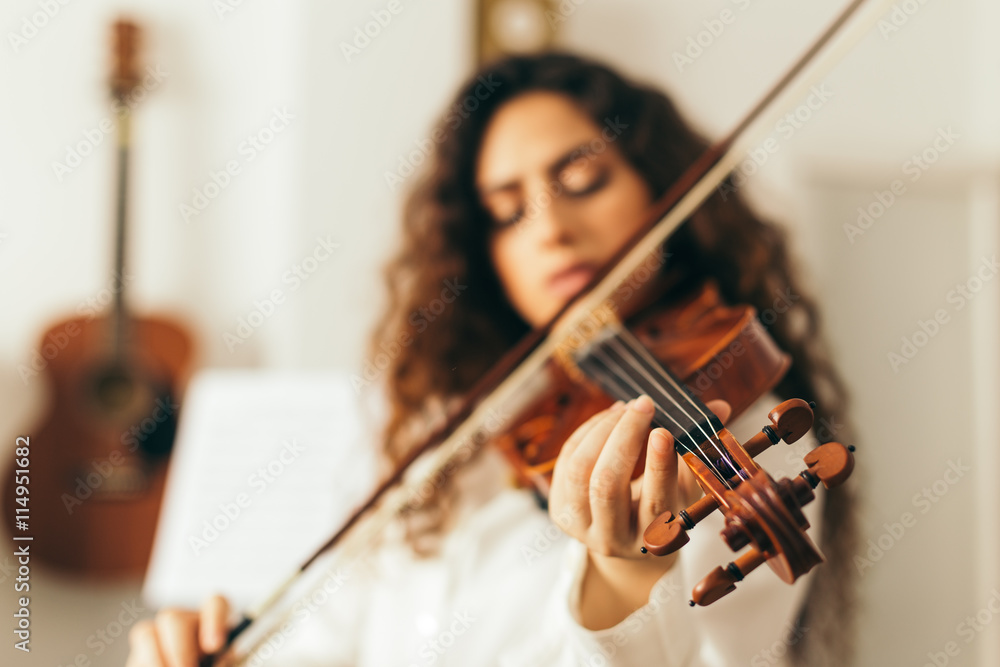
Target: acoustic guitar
98,460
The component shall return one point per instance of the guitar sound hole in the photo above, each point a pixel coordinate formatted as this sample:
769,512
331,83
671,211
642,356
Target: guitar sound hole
146,412
114,390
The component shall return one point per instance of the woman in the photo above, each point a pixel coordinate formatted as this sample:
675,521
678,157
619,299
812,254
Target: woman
541,179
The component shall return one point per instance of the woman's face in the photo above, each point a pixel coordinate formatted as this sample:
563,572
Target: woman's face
562,198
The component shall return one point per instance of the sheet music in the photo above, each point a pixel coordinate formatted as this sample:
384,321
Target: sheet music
265,467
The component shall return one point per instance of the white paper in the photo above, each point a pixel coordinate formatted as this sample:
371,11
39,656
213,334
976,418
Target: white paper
265,467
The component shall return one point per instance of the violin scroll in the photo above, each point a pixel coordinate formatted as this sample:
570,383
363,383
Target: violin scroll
780,540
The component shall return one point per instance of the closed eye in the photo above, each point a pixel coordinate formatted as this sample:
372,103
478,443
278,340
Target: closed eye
583,175
510,220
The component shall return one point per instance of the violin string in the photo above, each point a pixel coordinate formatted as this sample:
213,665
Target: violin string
624,336
620,377
616,378
723,455
655,382
625,376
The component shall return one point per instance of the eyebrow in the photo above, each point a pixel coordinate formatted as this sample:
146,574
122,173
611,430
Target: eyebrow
553,168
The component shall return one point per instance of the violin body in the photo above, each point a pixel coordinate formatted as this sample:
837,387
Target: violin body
697,337
99,457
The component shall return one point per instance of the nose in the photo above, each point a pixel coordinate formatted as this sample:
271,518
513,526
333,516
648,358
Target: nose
549,218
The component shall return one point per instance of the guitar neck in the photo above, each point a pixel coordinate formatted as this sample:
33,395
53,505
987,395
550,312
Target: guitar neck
124,79
119,315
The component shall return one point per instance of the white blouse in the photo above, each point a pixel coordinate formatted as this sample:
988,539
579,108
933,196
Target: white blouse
504,591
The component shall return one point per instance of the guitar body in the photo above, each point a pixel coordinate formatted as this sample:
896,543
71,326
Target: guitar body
99,458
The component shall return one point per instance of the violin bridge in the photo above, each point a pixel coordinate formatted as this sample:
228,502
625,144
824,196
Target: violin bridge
576,332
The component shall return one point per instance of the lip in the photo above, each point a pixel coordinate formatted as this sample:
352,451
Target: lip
571,280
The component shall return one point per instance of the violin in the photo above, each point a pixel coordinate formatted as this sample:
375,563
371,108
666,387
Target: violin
682,355
682,348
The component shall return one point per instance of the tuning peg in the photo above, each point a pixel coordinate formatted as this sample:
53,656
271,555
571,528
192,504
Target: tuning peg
722,581
664,536
667,533
830,463
790,421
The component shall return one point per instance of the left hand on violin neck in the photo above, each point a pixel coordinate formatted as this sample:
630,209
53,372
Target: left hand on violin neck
595,500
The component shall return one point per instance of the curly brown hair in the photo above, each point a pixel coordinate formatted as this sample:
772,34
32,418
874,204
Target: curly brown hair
437,354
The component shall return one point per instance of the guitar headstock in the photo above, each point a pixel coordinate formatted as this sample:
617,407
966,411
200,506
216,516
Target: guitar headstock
125,48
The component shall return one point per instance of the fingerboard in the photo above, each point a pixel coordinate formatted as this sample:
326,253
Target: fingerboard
625,370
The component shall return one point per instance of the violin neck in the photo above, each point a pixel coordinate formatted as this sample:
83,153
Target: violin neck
624,369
